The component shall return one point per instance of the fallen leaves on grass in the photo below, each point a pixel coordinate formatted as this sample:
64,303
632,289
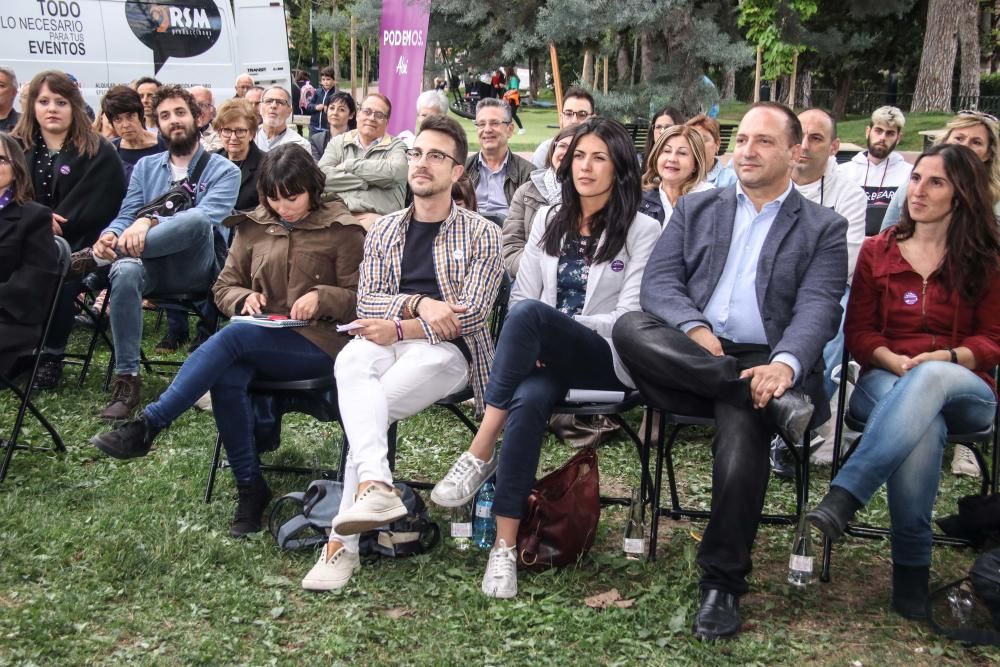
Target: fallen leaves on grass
607,599
396,613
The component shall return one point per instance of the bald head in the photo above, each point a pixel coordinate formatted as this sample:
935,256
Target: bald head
819,144
206,104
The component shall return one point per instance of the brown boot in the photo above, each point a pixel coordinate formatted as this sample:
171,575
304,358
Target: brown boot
124,397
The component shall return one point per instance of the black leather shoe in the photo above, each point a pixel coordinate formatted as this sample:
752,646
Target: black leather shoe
834,512
782,461
131,440
790,415
718,617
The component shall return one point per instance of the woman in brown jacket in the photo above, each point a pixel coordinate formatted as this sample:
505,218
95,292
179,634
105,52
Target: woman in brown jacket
293,256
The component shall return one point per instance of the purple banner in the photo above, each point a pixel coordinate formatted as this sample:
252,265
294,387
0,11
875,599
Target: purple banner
401,58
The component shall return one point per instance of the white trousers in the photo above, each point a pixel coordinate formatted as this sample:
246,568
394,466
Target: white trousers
381,384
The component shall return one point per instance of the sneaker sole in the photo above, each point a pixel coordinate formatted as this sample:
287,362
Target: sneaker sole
353,525
499,594
327,585
114,454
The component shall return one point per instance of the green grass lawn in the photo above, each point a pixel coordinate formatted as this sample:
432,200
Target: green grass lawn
107,562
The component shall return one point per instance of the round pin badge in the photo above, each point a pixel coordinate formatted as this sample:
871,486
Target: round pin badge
910,298
617,266
458,254
64,170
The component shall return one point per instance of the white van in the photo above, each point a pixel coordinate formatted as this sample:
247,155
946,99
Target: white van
104,43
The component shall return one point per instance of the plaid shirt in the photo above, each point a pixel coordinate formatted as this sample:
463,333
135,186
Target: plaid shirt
468,268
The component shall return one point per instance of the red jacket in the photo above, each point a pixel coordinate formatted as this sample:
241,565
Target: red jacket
892,306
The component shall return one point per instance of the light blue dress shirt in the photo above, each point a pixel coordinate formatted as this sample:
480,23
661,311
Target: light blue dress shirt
490,196
733,311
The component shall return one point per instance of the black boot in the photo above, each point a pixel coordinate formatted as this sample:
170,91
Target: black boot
834,512
132,439
253,498
909,590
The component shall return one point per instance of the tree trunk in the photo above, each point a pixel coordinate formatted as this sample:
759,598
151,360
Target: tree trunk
622,71
968,44
646,46
335,55
588,66
840,98
729,84
933,89
805,88
536,75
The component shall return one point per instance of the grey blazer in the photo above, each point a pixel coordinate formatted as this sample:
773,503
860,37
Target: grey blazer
801,272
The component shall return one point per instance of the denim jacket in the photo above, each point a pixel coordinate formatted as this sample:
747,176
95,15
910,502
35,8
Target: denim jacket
214,200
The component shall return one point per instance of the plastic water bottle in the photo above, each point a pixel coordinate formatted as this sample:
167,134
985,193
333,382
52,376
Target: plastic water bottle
800,563
461,527
484,527
634,539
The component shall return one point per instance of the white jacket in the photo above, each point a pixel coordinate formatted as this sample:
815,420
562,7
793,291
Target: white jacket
612,287
847,199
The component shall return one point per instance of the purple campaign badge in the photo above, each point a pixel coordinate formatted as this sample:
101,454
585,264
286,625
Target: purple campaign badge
910,298
617,266
64,170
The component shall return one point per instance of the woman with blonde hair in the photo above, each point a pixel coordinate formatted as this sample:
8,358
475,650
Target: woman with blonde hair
676,166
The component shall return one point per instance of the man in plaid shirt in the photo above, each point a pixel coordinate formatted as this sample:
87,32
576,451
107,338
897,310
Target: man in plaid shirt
429,277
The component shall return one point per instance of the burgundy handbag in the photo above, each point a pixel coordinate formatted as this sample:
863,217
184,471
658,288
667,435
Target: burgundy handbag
561,520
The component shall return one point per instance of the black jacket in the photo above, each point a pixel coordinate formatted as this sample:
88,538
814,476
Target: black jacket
247,200
651,205
318,140
28,268
88,191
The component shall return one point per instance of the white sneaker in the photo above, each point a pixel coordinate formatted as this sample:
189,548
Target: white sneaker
463,479
332,574
964,462
205,402
500,580
373,508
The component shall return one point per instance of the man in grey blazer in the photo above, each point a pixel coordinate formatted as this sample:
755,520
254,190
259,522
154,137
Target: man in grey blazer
740,295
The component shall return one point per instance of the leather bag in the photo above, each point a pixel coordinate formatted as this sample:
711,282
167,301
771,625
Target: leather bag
561,520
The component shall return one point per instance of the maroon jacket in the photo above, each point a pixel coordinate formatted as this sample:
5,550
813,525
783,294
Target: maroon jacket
892,306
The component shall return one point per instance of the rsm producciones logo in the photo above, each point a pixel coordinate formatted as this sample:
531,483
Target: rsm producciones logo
174,28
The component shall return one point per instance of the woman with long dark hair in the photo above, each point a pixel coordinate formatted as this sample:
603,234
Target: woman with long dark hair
923,320
580,271
77,174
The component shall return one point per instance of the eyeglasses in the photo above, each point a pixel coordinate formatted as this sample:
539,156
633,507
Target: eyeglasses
978,114
434,157
579,115
205,105
372,113
274,100
240,132
492,124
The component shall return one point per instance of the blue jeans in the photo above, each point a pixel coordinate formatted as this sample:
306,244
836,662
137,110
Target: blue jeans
226,363
574,357
907,420
178,257
833,352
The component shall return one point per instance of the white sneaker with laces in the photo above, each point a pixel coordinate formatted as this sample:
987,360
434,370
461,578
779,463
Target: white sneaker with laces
332,574
500,580
373,508
964,462
463,479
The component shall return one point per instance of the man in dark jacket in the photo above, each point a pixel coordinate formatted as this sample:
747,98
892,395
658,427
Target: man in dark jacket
495,171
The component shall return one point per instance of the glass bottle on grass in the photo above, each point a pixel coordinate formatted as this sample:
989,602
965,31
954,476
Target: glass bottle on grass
484,527
461,527
800,563
634,539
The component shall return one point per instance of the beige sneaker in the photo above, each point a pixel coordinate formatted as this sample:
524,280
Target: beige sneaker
373,508
205,402
333,573
964,462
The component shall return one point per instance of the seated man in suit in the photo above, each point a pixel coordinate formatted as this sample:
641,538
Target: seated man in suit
739,296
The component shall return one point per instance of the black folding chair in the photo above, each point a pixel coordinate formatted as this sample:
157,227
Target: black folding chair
25,406
99,322
976,442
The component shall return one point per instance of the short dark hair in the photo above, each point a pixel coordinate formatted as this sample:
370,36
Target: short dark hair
329,71
122,100
288,170
146,79
792,121
345,98
449,126
582,94
833,121
172,90
24,191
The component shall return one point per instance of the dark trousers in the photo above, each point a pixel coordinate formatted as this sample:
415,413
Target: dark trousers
574,357
668,368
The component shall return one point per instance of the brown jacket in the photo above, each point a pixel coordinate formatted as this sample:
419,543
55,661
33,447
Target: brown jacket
322,253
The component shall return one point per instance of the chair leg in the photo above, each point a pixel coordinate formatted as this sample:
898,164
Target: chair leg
457,411
827,557
214,469
391,438
646,483
344,447
675,503
657,488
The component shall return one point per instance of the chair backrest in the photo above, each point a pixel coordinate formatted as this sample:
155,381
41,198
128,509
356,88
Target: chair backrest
499,311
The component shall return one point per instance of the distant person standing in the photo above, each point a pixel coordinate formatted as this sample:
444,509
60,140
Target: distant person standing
321,100
513,98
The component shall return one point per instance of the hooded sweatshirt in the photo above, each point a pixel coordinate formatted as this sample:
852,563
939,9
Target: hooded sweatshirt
879,181
847,199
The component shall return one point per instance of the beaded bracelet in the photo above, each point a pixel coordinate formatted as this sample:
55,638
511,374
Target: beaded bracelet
399,329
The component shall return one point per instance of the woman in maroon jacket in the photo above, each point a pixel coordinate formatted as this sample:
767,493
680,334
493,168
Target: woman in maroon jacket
924,322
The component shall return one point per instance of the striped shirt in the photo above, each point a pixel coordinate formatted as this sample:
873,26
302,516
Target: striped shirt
468,268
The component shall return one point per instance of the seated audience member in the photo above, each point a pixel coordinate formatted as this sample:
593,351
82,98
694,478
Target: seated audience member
719,175
236,124
68,162
542,189
463,194
429,102
8,91
210,141
244,82
27,258
675,166
123,107
271,268
428,281
254,96
147,87
174,254
341,113
924,323
663,119
580,271
319,103
578,106
366,167
495,171
739,296
274,130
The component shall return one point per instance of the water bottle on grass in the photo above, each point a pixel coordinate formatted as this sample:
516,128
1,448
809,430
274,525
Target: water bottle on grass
484,527
800,563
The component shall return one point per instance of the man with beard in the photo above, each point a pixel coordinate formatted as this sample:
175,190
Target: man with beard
210,140
880,170
173,254
429,276
275,109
